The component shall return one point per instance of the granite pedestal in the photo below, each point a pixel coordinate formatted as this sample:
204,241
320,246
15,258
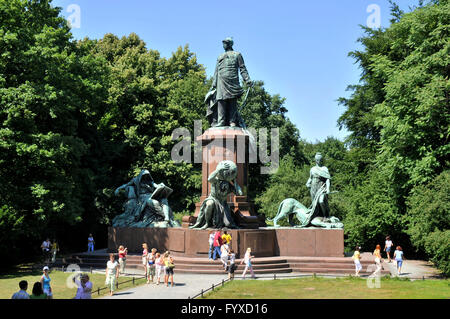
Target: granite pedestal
264,242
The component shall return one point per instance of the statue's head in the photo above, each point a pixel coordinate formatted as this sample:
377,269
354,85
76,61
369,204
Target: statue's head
318,158
145,177
230,173
228,43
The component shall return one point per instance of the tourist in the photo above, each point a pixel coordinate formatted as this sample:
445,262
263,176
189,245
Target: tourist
387,247
38,292
226,238
357,260
45,281
211,244
224,255
22,293
46,245
144,257
232,267
151,265
84,287
112,273
91,243
248,263
168,262
398,256
378,260
217,244
122,251
54,250
159,266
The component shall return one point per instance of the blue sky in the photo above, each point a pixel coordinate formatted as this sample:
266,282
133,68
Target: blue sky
298,48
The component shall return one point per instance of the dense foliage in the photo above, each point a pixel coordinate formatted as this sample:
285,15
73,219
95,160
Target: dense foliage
80,118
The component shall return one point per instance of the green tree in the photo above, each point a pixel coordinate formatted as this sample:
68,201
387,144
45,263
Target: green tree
428,219
49,95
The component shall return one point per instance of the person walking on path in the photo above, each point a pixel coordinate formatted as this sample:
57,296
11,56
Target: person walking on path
46,245
144,257
159,267
84,287
151,266
232,267
38,292
224,255
112,274
398,256
248,263
54,250
217,244
22,293
211,245
91,243
122,258
45,282
378,259
168,261
387,247
357,260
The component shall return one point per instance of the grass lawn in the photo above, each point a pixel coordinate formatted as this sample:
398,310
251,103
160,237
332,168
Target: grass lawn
332,288
9,283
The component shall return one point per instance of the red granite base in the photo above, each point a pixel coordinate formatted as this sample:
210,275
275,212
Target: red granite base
264,242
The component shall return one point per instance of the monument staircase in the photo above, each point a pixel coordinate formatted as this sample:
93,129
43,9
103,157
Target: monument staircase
262,265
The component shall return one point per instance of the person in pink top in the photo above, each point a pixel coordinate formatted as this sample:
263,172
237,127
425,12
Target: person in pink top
144,257
159,267
122,258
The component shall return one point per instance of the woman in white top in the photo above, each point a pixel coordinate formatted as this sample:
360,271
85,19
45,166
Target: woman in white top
84,287
387,247
224,255
112,273
248,263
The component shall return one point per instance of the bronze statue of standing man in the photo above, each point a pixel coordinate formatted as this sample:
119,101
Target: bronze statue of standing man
226,89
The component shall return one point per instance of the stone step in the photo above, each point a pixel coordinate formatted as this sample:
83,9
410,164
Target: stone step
202,265
237,272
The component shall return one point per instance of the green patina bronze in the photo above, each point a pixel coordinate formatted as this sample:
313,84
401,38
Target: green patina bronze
215,212
221,100
318,214
146,205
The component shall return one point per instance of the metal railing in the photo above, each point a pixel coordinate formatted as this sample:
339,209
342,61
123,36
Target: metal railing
313,275
210,288
121,283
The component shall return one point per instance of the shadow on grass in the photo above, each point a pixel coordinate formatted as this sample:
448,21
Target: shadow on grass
20,271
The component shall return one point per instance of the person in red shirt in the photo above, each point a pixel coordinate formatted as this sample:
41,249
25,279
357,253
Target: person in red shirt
122,258
217,244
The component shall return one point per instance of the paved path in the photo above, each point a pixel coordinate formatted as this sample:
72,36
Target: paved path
186,285
413,269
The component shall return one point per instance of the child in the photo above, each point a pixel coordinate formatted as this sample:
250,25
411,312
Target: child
159,265
232,267
151,265
357,260
248,263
